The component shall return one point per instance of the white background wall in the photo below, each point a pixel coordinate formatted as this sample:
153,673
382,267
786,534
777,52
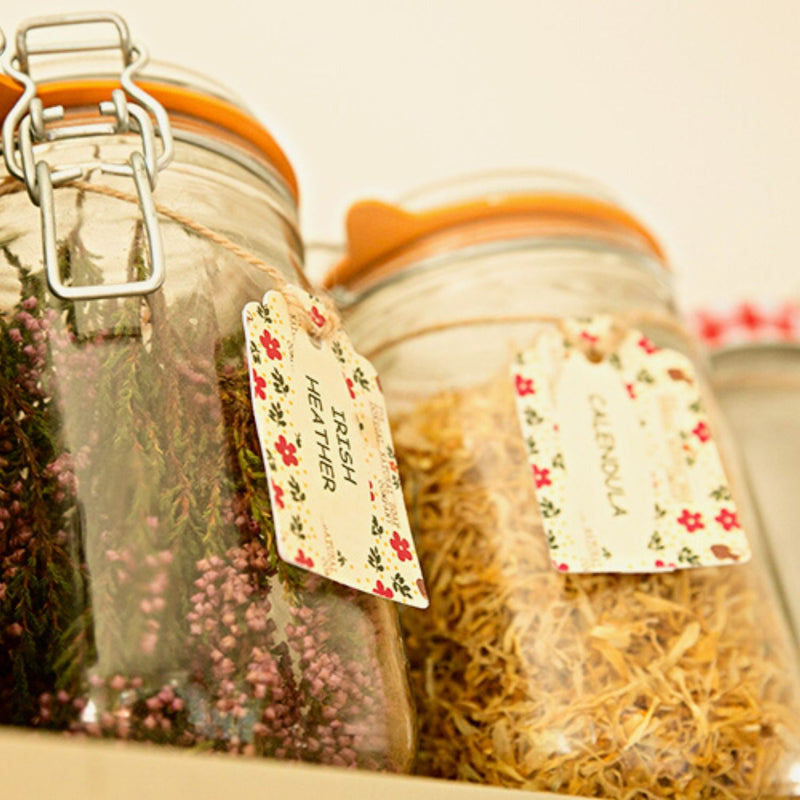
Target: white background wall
689,110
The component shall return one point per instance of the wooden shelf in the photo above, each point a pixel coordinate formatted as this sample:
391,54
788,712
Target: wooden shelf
40,766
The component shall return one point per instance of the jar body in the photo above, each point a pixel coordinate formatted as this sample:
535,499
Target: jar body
681,684
141,595
758,387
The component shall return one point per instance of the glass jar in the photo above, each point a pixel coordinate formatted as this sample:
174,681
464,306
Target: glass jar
141,595
756,376
676,684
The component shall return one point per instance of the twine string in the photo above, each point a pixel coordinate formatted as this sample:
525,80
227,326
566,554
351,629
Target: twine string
317,326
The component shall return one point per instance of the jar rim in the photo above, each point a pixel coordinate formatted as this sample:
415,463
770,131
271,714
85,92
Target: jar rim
383,238
177,99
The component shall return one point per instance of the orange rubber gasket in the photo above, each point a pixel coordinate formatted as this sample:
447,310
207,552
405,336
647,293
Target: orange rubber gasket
175,99
378,232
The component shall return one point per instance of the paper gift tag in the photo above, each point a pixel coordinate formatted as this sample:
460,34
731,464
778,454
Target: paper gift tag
627,475
336,496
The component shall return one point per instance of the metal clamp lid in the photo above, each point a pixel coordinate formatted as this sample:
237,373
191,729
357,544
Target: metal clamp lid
27,124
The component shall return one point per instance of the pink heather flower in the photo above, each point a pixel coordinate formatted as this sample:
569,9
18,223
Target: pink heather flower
148,643
166,695
29,303
15,335
117,683
158,584
14,630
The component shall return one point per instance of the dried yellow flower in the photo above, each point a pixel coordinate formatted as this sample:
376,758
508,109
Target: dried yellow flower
668,685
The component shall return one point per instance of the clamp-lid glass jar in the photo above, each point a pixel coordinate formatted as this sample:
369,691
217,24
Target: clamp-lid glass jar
141,595
755,363
670,684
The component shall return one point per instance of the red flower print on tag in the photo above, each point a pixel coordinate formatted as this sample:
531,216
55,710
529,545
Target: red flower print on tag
277,493
383,591
400,546
702,432
692,522
258,385
631,391
350,388
286,450
371,492
303,560
272,347
663,565
524,386
319,320
589,337
541,477
561,567
728,519
647,346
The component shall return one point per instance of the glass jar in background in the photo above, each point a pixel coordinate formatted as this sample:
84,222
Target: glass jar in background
141,595
755,362
678,684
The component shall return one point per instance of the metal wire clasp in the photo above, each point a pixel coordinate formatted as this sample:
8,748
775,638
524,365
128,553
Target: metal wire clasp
30,123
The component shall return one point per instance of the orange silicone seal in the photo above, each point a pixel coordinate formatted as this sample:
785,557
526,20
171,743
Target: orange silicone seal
175,99
379,233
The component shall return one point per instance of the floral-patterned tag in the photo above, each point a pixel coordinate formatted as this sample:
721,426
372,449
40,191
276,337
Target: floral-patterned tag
627,475
336,497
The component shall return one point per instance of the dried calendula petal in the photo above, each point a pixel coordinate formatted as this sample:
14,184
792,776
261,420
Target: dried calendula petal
622,686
